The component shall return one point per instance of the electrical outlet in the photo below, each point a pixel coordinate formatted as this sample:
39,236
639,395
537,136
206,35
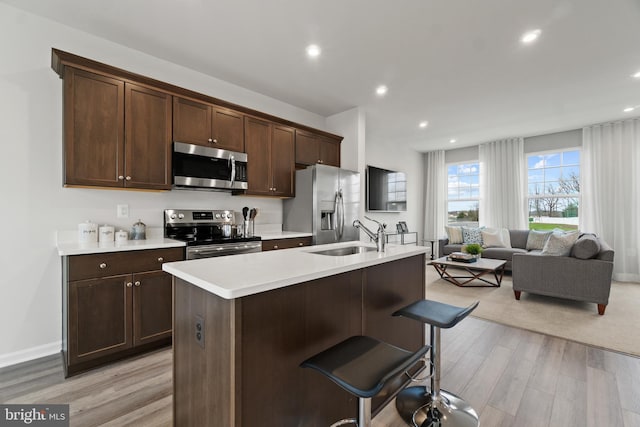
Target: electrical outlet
123,211
199,330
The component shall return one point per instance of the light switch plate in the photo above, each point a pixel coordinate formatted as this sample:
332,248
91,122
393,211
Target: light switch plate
123,211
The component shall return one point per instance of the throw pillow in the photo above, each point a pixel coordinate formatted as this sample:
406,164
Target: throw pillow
496,238
454,234
472,235
537,239
586,247
560,244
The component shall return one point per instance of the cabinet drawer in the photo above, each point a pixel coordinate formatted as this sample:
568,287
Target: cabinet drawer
113,263
270,245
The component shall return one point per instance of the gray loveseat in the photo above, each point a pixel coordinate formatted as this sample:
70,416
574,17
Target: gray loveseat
584,275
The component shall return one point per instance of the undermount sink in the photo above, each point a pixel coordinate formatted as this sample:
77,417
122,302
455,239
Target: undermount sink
347,250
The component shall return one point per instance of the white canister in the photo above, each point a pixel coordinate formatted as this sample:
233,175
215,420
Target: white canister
87,232
122,236
106,234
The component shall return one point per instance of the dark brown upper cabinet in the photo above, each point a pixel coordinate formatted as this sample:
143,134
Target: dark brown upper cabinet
116,134
270,165
312,148
208,125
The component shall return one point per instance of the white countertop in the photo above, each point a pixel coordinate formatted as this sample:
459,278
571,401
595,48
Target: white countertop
247,274
78,248
283,235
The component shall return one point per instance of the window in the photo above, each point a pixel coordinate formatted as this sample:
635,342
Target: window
463,194
554,190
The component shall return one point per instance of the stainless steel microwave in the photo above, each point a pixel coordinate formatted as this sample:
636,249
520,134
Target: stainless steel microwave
204,168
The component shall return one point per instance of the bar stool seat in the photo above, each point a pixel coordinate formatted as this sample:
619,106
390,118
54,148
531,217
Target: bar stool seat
418,405
362,365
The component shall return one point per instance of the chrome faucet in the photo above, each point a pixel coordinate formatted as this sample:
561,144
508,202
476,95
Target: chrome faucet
378,236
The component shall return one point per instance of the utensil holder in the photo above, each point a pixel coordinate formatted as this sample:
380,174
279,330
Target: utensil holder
248,228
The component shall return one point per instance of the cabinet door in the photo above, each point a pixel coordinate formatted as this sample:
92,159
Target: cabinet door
152,304
191,122
99,317
93,129
283,161
228,129
329,152
307,148
258,146
148,138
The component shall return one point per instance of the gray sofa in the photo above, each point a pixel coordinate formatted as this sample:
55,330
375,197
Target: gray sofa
518,246
585,275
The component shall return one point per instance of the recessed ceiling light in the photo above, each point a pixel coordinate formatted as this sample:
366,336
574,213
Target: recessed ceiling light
629,109
530,36
636,75
313,50
424,124
452,141
381,90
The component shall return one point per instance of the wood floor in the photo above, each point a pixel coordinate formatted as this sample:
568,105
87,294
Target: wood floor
510,376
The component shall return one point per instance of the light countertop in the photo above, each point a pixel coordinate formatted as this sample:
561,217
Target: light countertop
247,274
275,235
77,248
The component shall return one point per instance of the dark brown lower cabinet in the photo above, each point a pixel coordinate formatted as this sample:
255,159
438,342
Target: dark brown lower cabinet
109,317
245,371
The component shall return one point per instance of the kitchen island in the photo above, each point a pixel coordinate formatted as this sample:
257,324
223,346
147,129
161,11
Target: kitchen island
243,324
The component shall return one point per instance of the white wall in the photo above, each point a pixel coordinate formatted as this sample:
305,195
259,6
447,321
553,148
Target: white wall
409,161
33,202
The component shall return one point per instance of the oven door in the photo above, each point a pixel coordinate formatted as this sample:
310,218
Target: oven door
223,249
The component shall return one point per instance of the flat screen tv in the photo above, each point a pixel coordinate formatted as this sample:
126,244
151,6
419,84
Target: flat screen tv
386,190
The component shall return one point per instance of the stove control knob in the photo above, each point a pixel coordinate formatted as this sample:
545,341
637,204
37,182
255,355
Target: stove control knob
180,216
173,216
229,215
217,216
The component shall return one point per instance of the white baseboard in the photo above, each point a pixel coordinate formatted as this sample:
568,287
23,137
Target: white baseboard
30,354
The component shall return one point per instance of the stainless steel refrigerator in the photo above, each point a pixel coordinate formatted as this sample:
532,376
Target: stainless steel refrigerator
326,204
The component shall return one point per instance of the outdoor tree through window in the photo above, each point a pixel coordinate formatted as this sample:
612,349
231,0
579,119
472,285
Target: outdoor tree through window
463,194
554,190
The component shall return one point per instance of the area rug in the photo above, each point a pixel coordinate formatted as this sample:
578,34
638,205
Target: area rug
617,330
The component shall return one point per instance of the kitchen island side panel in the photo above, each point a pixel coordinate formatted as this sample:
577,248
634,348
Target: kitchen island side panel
204,377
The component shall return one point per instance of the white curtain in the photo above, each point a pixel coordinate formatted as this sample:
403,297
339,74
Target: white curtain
609,189
435,188
502,184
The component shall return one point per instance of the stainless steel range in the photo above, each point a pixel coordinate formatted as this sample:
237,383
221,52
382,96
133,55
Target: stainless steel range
208,233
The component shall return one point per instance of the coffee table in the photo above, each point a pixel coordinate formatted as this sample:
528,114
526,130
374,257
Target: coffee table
476,271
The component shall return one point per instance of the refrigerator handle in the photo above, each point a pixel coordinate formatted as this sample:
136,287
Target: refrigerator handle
340,214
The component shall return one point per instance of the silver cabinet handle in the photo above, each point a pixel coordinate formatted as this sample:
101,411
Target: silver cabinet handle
210,140
300,244
121,177
275,246
128,178
137,283
103,265
129,284
160,259
215,141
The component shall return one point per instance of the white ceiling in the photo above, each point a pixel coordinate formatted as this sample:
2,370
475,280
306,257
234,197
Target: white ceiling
456,63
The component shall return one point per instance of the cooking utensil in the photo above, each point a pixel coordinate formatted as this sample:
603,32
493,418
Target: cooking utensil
245,211
252,213
138,231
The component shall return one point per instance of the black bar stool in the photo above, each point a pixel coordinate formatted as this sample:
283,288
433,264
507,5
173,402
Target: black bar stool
436,408
362,365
